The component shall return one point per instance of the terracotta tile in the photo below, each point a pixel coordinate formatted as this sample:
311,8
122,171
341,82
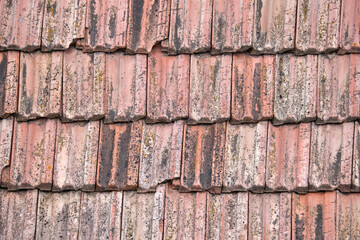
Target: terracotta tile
119,156
295,88
168,86
288,152
210,88
5,177
245,157
270,216
6,133
58,215
190,26
354,88
160,159
18,214
227,216
100,216
331,157
76,156
64,22
148,24
40,85
21,23
313,215
274,26
143,215
347,216
355,179
185,215
32,156
203,156
232,26
317,26
350,26
84,85
9,74
125,93
252,88
106,25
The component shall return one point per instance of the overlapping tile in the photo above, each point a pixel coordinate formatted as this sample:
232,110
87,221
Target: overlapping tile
355,178
76,156
168,86
6,133
347,216
350,27
5,177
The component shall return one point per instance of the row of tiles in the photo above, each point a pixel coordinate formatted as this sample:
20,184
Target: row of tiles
202,88
183,26
168,214
88,156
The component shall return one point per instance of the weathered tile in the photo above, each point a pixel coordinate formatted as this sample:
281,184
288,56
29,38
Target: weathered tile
168,86
203,156
100,216
190,26
245,157
84,85
354,88
125,90
347,216
232,26
148,24
270,216
210,88
18,214
350,26
355,178
9,74
160,159
227,216
143,215
40,85
331,156
119,156
6,133
274,26
76,156
32,156
288,152
313,215
5,177
295,88
185,215
64,22
58,215
252,88
21,23
317,26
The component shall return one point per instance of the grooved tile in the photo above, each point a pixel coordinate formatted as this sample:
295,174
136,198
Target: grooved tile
350,27
355,179
6,133
5,177
347,216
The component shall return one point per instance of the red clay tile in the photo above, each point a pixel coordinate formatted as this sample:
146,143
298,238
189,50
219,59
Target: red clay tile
21,23
350,26
210,88
9,74
100,216
6,133
232,26
32,156
167,86
58,215
202,160
119,156
270,216
125,92
317,26
274,26
245,157
18,214
354,88
313,216
40,85
64,22
190,26
347,216
5,177
355,179
185,215
76,156
143,215
288,152
227,216
331,157
252,88
160,159
148,24
84,85
295,88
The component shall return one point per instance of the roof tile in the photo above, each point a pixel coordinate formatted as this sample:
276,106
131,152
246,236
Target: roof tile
350,26
355,180
348,216
6,133
5,177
